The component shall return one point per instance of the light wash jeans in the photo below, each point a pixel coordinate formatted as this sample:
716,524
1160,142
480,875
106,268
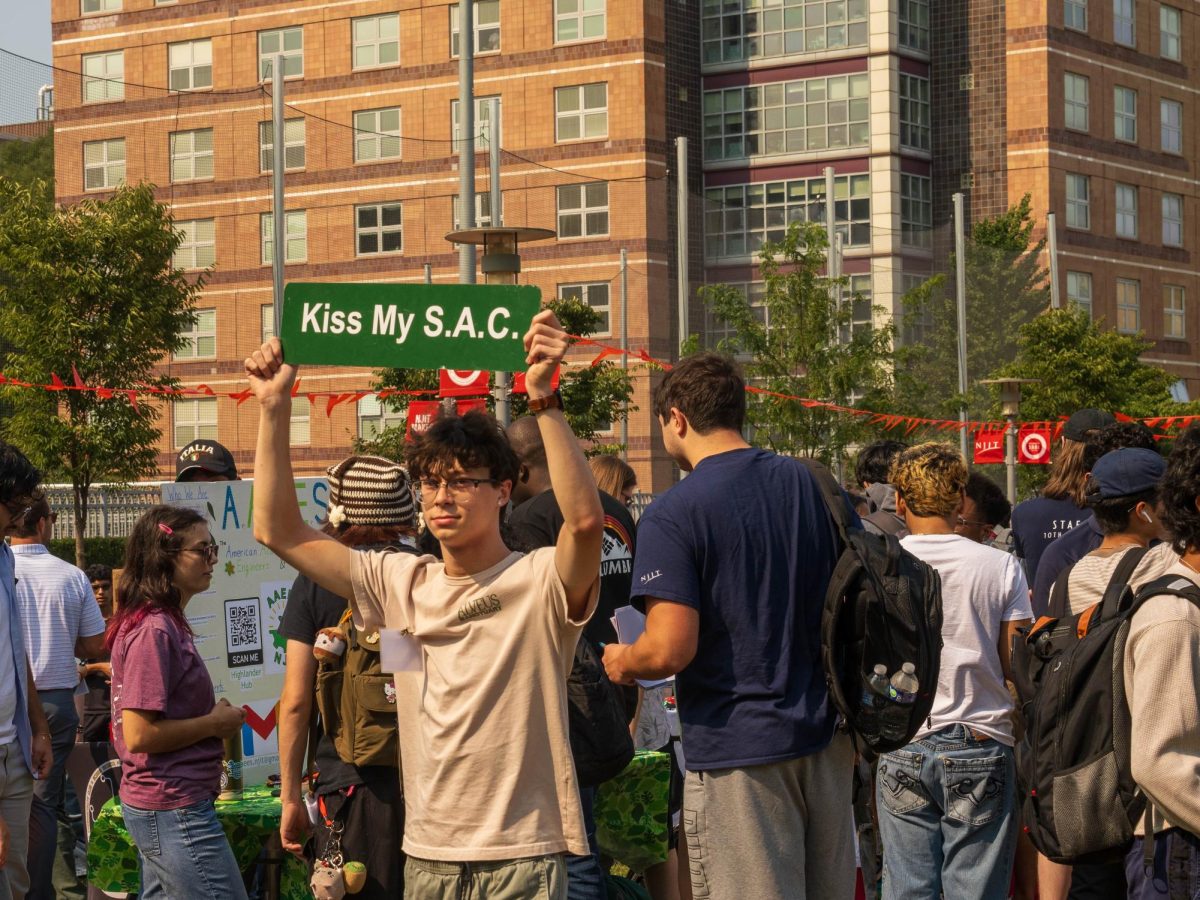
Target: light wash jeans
947,817
183,853
585,878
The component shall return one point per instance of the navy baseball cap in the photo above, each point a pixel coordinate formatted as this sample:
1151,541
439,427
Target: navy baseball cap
1121,473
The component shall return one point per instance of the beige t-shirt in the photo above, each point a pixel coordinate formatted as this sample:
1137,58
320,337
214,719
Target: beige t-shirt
485,755
1090,576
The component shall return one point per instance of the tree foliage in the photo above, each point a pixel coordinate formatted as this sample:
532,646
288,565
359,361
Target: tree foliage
30,164
90,288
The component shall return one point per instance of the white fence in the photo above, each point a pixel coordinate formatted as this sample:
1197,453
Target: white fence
112,509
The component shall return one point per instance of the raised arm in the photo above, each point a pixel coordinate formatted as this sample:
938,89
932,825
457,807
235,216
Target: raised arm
277,520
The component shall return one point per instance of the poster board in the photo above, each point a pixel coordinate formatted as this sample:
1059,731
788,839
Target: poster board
236,620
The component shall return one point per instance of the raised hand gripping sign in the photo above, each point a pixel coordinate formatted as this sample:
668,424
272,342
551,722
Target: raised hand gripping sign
408,326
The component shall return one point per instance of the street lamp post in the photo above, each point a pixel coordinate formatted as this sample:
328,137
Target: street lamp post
1010,406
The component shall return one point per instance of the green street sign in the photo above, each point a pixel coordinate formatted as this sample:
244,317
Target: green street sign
408,326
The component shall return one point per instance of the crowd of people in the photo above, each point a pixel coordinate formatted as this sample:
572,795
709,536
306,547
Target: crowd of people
427,726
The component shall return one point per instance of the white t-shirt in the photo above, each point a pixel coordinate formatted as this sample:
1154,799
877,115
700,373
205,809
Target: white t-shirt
981,588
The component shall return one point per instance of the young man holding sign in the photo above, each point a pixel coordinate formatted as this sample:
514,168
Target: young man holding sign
482,642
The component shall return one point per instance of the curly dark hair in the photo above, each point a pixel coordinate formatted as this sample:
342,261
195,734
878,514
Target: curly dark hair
706,387
19,478
1179,489
875,459
98,572
471,441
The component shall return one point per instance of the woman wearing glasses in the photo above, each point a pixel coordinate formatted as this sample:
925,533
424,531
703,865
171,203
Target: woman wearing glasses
167,726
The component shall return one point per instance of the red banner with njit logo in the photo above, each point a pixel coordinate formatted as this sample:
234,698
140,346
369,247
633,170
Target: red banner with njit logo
1033,444
422,413
456,383
989,447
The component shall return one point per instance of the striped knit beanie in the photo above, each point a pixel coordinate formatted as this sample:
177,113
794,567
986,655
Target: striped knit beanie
370,490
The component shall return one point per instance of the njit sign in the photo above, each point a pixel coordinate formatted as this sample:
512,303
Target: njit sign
1033,445
459,383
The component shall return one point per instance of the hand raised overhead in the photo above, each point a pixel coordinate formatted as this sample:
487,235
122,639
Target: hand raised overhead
270,377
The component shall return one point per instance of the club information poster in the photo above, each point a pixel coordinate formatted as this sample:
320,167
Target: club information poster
236,621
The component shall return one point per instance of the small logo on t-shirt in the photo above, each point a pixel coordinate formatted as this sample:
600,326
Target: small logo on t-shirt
482,606
650,576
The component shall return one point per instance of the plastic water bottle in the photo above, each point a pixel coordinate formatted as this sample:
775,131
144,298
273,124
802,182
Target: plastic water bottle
904,685
902,694
874,699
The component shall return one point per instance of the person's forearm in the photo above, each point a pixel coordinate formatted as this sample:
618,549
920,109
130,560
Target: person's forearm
574,487
277,514
294,716
164,735
37,716
647,659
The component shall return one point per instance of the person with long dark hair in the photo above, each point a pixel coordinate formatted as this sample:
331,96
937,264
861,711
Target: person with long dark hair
167,724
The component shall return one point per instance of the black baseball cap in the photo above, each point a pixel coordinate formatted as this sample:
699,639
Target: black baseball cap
206,456
1085,421
1125,472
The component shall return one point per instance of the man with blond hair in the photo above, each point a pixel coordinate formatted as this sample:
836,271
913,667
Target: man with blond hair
947,816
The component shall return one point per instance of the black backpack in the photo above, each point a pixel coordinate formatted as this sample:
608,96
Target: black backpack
599,732
883,606
1079,802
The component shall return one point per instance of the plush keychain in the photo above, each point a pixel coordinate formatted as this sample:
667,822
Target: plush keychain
330,645
354,874
327,882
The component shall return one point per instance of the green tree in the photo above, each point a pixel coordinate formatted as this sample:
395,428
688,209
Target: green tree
30,163
801,341
91,287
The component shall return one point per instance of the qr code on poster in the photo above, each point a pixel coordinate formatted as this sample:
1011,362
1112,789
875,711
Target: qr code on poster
243,632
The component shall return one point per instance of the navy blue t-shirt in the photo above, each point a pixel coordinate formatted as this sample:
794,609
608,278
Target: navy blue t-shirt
1061,554
747,542
1038,522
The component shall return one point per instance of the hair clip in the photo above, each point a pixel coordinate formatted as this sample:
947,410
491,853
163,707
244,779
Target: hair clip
165,529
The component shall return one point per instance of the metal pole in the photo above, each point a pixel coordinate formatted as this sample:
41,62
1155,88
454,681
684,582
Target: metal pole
428,273
1052,247
960,281
625,348
277,211
681,237
502,379
466,136
830,229
1010,458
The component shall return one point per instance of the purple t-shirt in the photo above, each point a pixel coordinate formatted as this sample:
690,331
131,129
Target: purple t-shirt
156,667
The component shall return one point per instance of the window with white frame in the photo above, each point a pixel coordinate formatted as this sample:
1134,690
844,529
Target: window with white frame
198,249
200,341
483,121
578,20
914,112
378,228
914,24
1079,290
1075,101
787,117
286,41
917,321
295,236
194,420
857,293
739,219
1079,202
583,209
581,112
743,30
192,155
103,164
1125,114
916,210
189,65
1170,115
375,416
1174,321
97,6
1075,14
376,41
1123,23
717,330
1129,305
483,209
1170,30
1127,210
293,145
104,77
596,295
267,314
300,423
1172,220
377,134
487,27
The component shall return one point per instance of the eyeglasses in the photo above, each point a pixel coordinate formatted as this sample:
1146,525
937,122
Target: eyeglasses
989,531
210,551
458,489
18,508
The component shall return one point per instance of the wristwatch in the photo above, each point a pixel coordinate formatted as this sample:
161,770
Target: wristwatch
550,401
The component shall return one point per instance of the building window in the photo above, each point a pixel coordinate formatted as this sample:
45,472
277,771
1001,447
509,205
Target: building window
596,295
1127,211
1174,323
1078,202
1125,114
1079,290
1129,305
289,42
98,6
267,314
378,228
483,209
916,211
198,249
581,112
189,65
375,417
862,314
376,41
1075,14
717,330
583,210
483,121
1172,220
103,164
1123,23
1170,113
192,155
299,425
1075,101
377,134
293,145
195,420
1170,28
739,219
787,117
200,341
740,30
295,236
914,112
104,77
487,27
578,20
914,24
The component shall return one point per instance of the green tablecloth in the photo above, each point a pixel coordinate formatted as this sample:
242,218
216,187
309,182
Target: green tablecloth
248,823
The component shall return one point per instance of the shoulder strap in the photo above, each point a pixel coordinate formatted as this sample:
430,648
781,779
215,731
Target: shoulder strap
1175,585
831,493
1117,591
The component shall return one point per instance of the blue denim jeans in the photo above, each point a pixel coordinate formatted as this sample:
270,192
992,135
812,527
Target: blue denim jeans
947,817
585,879
183,853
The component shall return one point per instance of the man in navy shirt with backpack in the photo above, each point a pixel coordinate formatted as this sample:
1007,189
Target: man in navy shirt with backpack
732,565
